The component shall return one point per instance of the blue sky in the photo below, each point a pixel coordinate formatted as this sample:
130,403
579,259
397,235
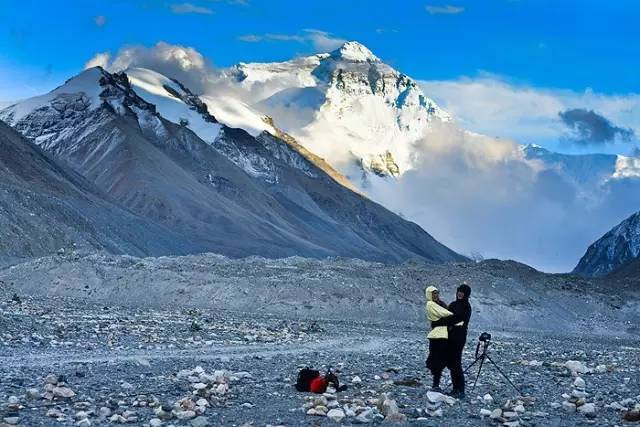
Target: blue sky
561,44
564,49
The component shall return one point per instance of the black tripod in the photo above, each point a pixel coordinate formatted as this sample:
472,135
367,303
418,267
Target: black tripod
481,356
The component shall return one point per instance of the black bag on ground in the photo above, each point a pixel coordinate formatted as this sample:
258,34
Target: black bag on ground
305,376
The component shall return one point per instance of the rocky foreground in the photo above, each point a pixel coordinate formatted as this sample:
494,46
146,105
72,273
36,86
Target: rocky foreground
71,363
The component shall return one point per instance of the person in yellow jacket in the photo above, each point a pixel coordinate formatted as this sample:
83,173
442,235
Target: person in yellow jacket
438,348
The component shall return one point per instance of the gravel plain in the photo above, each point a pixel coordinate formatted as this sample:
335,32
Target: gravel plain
68,362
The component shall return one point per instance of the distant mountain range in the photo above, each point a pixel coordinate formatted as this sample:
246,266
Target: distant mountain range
155,172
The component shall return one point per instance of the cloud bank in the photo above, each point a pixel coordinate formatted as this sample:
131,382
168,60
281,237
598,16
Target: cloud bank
480,195
494,106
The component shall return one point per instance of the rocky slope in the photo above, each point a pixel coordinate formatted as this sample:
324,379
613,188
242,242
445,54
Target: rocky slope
155,149
45,207
617,248
506,295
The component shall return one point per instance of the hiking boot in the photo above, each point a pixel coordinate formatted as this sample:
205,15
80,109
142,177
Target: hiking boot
436,389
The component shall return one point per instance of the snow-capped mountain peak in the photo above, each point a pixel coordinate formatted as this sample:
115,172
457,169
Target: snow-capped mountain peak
354,51
347,106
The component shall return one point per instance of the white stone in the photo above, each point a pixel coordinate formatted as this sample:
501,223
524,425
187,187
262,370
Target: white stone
485,412
51,379
155,422
519,408
388,407
33,393
435,397
105,412
199,386
588,409
365,417
487,398
579,383
576,367
569,407
117,418
83,423
356,380
64,392
496,413
336,415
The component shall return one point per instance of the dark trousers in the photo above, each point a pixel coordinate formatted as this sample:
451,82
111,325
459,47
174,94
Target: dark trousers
437,359
455,364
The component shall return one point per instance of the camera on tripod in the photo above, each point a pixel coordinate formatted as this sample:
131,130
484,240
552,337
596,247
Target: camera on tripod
485,337
482,354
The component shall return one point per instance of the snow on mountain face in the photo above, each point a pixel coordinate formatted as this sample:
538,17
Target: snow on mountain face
346,106
174,102
616,248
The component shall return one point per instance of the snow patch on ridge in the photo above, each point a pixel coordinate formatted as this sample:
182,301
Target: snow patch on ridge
152,87
86,83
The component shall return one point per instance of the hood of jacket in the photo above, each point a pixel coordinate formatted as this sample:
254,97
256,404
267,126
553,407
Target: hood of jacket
428,293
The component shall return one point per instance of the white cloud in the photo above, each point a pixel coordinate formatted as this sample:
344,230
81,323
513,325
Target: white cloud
493,106
444,10
480,195
186,8
321,41
180,62
99,60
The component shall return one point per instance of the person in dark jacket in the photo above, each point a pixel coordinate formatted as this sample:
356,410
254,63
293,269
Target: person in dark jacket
458,325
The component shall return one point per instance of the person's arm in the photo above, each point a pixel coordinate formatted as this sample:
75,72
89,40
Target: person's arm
437,312
447,321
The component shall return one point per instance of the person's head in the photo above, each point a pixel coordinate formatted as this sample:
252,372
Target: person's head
463,292
432,293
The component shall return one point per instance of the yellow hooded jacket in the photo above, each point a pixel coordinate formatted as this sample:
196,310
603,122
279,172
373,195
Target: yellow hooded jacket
435,312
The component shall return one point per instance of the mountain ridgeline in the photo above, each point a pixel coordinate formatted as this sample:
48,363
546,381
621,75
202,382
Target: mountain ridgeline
616,253
142,167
